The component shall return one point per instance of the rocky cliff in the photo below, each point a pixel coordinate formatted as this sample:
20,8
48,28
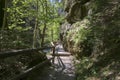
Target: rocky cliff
92,20
93,31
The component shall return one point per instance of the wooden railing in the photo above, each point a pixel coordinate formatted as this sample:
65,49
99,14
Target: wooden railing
4,55
19,52
29,71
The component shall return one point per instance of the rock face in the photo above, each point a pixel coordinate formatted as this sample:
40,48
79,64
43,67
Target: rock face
91,26
94,37
76,10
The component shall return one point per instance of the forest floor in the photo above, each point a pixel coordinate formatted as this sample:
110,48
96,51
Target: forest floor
62,69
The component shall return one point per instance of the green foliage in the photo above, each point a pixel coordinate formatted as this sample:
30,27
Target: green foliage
81,35
99,5
31,16
81,67
83,38
96,42
18,12
14,39
98,33
101,40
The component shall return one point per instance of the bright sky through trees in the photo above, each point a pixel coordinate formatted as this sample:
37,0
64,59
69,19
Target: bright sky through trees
54,1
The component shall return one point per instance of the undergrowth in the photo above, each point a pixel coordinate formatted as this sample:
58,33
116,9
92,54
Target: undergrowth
96,40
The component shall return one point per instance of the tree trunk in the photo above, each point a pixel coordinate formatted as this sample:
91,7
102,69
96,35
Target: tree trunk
43,36
2,6
52,34
45,25
5,15
35,30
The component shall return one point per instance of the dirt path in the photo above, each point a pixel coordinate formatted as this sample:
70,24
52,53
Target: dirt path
62,69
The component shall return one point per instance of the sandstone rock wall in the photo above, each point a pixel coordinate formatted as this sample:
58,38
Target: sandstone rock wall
100,17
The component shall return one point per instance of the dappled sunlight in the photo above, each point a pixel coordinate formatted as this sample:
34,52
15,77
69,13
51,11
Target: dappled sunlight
60,40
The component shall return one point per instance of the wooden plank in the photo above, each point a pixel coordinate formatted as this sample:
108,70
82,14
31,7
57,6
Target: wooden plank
60,54
18,52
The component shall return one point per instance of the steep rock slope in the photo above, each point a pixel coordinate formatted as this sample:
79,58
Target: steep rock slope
93,35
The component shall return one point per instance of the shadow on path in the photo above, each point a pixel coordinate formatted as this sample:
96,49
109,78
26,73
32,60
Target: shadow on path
62,69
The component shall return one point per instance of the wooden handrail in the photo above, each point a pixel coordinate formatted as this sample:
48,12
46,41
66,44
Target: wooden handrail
60,54
26,51
29,71
18,52
53,52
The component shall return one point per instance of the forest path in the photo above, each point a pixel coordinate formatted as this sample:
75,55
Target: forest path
62,69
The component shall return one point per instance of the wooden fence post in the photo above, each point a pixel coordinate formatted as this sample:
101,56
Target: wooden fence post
53,54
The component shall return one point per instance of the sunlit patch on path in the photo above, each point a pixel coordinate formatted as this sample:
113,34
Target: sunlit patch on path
62,69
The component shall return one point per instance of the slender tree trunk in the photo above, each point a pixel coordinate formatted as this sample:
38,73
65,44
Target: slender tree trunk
5,16
34,35
45,25
35,29
43,36
2,6
52,34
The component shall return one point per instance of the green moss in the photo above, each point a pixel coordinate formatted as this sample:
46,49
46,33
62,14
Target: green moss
98,38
